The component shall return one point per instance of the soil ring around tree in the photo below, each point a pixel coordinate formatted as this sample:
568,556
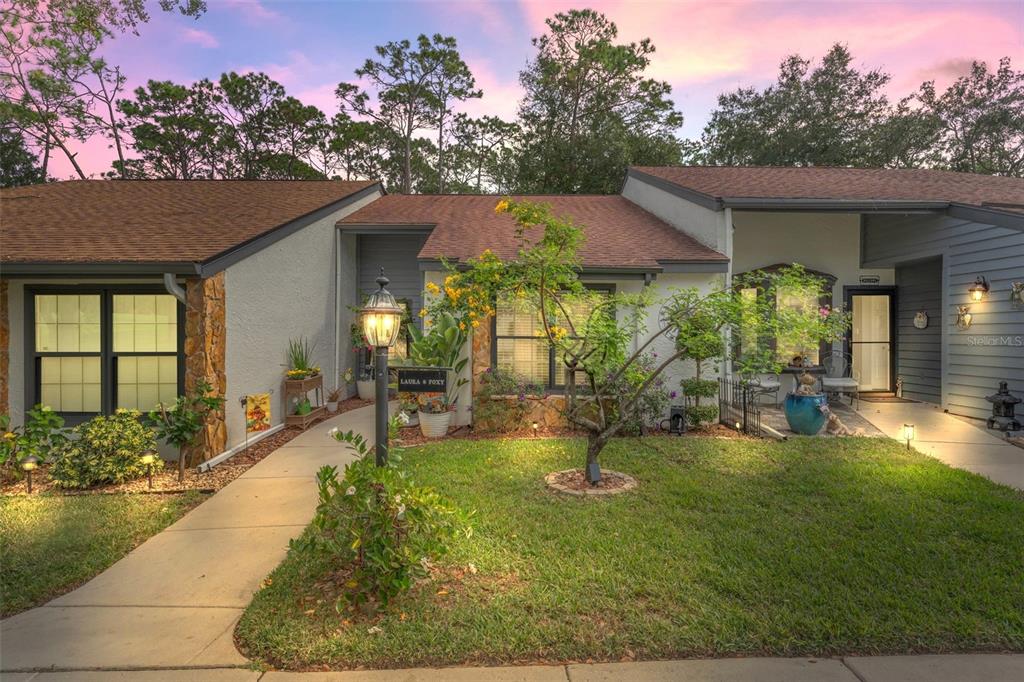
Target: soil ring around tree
574,482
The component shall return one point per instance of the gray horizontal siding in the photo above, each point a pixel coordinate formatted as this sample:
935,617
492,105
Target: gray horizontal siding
398,255
919,351
975,360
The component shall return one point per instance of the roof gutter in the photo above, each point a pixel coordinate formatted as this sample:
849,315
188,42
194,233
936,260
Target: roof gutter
121,269
173,288
849,205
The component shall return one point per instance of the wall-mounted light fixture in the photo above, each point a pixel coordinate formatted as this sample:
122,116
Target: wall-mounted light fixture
963,317
979,289
908,433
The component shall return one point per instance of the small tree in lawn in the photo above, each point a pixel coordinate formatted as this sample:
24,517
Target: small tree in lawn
593,333
180,424
700,338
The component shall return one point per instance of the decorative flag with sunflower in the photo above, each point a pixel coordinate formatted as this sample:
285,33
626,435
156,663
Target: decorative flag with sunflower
257,412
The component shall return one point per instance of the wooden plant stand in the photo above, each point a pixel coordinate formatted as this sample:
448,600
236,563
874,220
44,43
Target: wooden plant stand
300,389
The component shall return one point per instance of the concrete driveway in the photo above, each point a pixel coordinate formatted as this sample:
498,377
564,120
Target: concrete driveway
173,602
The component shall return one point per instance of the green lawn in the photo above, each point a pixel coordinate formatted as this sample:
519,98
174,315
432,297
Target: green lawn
51,544
809,547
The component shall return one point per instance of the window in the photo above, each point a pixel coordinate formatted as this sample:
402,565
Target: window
520,345
97,349
145,350
798,300
67,342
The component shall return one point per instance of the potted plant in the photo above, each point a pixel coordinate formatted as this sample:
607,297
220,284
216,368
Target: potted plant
439,347
409,404
333,398
300,359
365,385
435,414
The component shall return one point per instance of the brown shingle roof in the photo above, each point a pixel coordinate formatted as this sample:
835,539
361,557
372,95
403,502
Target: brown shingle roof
844,184
619,234
133,221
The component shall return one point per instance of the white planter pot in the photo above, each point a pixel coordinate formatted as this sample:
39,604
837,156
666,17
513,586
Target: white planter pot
414,418
367,389
332,406
435,425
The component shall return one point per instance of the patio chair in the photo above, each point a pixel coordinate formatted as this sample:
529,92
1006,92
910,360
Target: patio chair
765,385
839,377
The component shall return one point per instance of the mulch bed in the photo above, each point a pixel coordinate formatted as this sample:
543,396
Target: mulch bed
574,482
165,481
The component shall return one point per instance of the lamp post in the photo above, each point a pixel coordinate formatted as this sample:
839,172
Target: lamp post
382,319
29,465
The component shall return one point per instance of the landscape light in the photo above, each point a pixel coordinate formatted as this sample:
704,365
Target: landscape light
149,459
28,465
908,433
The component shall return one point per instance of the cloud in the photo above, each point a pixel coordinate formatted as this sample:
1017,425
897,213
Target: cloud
253,10
198,37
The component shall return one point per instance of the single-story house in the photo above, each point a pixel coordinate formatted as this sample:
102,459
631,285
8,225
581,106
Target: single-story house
123,293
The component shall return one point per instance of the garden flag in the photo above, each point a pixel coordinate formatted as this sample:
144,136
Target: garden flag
257,412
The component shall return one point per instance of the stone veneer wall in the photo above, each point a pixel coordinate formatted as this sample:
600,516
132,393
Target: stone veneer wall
206,357
5,352
547,412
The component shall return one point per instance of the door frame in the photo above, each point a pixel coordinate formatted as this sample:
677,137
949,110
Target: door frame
849,291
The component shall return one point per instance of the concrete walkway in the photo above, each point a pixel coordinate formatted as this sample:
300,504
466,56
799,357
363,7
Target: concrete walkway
957,442
173,602
950,668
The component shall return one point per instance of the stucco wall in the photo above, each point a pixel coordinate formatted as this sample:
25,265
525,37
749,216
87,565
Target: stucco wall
703,224
283,292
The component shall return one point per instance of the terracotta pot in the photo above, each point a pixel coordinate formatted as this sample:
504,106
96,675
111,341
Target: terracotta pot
367,389
435,425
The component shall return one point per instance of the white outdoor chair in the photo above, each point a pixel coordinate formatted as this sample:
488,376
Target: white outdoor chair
839,377
765,385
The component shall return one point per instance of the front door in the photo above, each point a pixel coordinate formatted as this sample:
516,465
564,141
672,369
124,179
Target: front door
871,337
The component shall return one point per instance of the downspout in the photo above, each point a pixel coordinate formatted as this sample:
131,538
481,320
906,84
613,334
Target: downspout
173,288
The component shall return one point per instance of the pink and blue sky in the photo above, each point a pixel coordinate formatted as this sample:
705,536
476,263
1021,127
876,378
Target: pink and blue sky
703,48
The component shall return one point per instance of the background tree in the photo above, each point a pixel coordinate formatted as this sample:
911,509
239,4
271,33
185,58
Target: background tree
452,82
53,87
588,112
17,163
405,81
979,120
831,114
175,131
483,151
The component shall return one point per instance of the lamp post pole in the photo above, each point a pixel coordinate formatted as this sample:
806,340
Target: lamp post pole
381,365
382,321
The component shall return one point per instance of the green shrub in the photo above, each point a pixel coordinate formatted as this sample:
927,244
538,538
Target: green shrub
379,529
699,415
494,414
695,390
42,435
699,388
105,449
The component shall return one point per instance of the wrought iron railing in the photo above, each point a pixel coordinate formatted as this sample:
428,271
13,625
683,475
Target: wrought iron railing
737,408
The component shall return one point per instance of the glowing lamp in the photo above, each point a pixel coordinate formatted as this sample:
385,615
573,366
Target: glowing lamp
28,465
979,289
382,316
909,432
149,459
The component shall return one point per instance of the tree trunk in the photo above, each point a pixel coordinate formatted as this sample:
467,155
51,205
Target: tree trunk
181,465
595,444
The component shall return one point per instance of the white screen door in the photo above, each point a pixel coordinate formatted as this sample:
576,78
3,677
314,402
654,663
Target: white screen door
871,340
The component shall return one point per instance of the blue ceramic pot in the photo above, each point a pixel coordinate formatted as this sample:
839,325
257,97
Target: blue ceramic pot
805,414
